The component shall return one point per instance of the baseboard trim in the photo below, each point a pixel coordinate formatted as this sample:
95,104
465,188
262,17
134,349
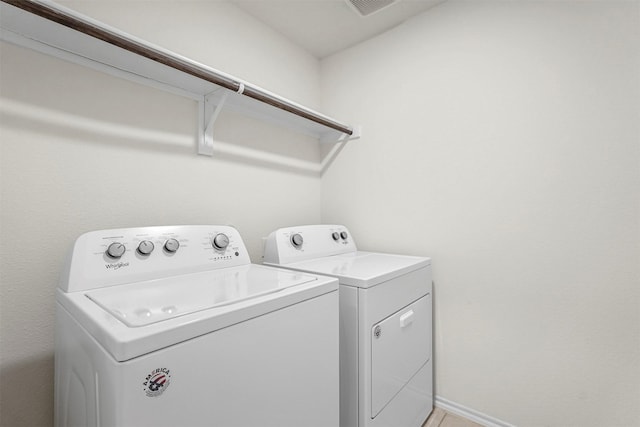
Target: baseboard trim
470,414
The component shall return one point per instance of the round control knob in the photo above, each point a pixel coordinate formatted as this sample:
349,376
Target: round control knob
220,241
297,240
344,235
335,235
145,247
171,245
116,250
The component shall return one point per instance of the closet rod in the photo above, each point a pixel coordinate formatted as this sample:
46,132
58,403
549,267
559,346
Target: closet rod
90,29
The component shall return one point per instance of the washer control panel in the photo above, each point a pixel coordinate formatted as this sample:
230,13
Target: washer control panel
293,244
112,257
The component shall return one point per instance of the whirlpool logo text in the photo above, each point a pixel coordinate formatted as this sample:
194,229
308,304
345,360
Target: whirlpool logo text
117,266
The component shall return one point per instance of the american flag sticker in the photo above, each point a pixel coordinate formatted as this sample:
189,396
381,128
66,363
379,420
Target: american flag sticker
156,382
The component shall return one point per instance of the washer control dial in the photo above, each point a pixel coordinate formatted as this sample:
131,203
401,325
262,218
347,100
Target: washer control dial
116,250
297,240
335,235
344,235
145,247
220,241
171,245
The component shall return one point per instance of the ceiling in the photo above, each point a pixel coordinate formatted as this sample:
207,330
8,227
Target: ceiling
324,27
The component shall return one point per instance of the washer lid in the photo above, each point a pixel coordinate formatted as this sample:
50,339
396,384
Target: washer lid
362,269
138,318
153,301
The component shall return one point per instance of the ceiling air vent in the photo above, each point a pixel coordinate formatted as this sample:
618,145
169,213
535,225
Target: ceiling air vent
367,7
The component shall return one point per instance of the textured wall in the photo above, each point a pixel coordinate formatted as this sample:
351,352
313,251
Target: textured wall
81,151
502,139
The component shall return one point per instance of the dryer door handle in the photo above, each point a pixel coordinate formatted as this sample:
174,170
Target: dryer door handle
406,319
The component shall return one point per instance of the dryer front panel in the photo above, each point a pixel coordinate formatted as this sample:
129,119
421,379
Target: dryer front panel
400,347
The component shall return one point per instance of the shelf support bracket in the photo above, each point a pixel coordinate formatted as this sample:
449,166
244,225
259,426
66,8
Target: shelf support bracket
210,106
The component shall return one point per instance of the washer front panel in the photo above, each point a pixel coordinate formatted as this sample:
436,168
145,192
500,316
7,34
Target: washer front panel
274,370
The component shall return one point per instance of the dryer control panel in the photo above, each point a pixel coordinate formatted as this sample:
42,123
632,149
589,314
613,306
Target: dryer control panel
292,244
119,256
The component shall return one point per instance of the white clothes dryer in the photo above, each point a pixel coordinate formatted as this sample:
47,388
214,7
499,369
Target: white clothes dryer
386,368
172,326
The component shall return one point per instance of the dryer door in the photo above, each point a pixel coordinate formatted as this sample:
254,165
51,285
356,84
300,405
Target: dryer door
400,346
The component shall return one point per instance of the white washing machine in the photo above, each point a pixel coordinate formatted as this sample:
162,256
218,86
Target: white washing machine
386,372
172,326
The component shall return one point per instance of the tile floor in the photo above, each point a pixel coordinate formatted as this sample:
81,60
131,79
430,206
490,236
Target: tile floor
442,418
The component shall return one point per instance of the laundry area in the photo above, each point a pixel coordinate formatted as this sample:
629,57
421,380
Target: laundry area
296,206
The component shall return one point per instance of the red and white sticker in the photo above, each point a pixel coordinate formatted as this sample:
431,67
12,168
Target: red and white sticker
157,382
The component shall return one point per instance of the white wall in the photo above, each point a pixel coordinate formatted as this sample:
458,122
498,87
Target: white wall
502,139
81,150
